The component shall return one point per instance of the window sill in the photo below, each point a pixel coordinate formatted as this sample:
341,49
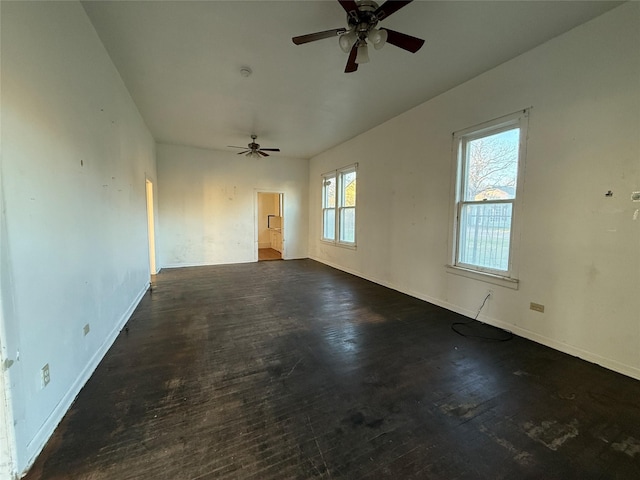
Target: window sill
341,245
507,282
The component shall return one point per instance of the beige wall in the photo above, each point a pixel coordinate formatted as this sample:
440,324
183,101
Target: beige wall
579,250
207,204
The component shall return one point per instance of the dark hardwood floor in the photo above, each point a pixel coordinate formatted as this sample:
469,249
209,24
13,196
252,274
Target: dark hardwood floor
294,370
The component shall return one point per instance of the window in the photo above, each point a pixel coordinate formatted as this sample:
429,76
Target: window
339,206
489,161
329,207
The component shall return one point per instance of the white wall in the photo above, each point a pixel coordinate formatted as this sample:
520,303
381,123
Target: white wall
580,251
208,205
75,153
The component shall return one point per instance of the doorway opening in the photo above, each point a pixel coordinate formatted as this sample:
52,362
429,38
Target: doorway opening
151,233
270,226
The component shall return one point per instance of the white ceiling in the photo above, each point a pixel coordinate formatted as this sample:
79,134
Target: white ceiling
181,62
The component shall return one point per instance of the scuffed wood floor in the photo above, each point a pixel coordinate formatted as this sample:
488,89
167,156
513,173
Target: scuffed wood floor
294,370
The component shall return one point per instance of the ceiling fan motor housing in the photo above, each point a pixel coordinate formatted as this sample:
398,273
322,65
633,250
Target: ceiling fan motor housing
364,19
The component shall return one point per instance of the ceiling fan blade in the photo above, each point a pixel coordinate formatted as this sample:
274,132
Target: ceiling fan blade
312,37
262,153
270,149
389,7
233,146
352,66
404,41
351,7
246,151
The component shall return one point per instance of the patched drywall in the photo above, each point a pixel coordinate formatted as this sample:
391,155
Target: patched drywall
207,205
580,244
75,155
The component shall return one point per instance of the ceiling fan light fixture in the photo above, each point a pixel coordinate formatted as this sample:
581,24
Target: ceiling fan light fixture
378,37
346,40
363,53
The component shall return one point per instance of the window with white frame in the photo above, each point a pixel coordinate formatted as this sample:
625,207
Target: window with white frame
339,206
329,207
490,161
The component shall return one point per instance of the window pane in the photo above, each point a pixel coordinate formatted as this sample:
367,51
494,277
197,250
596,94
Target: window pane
349,189
492,166
485,233
329,192
348,225
329,224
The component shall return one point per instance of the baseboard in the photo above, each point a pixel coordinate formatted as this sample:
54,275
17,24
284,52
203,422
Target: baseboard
37,443
572,350
591,357
186,265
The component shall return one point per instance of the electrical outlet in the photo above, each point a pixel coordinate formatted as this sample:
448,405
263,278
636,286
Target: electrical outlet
536,307
46,375
86,329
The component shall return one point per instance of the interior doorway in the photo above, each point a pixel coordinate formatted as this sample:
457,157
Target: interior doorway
270,226
151,232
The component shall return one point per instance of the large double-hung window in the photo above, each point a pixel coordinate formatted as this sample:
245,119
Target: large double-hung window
339,206
489,161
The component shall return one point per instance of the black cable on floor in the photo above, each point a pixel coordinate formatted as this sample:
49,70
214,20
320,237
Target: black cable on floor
509,335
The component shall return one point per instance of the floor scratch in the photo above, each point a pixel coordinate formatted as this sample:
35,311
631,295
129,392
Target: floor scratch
293,368
380,434
315,439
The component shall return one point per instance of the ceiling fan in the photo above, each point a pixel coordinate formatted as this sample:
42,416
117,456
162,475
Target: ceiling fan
362,19
253,149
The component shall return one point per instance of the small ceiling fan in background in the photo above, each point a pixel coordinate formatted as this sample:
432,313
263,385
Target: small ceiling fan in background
253,149
362,20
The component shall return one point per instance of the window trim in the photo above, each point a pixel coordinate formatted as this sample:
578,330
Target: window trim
325,177
338,174
509,278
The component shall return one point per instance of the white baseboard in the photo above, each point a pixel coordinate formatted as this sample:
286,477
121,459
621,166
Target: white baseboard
608,363
204,264
37,443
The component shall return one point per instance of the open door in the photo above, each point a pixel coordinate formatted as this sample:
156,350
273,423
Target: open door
270,226
151,231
